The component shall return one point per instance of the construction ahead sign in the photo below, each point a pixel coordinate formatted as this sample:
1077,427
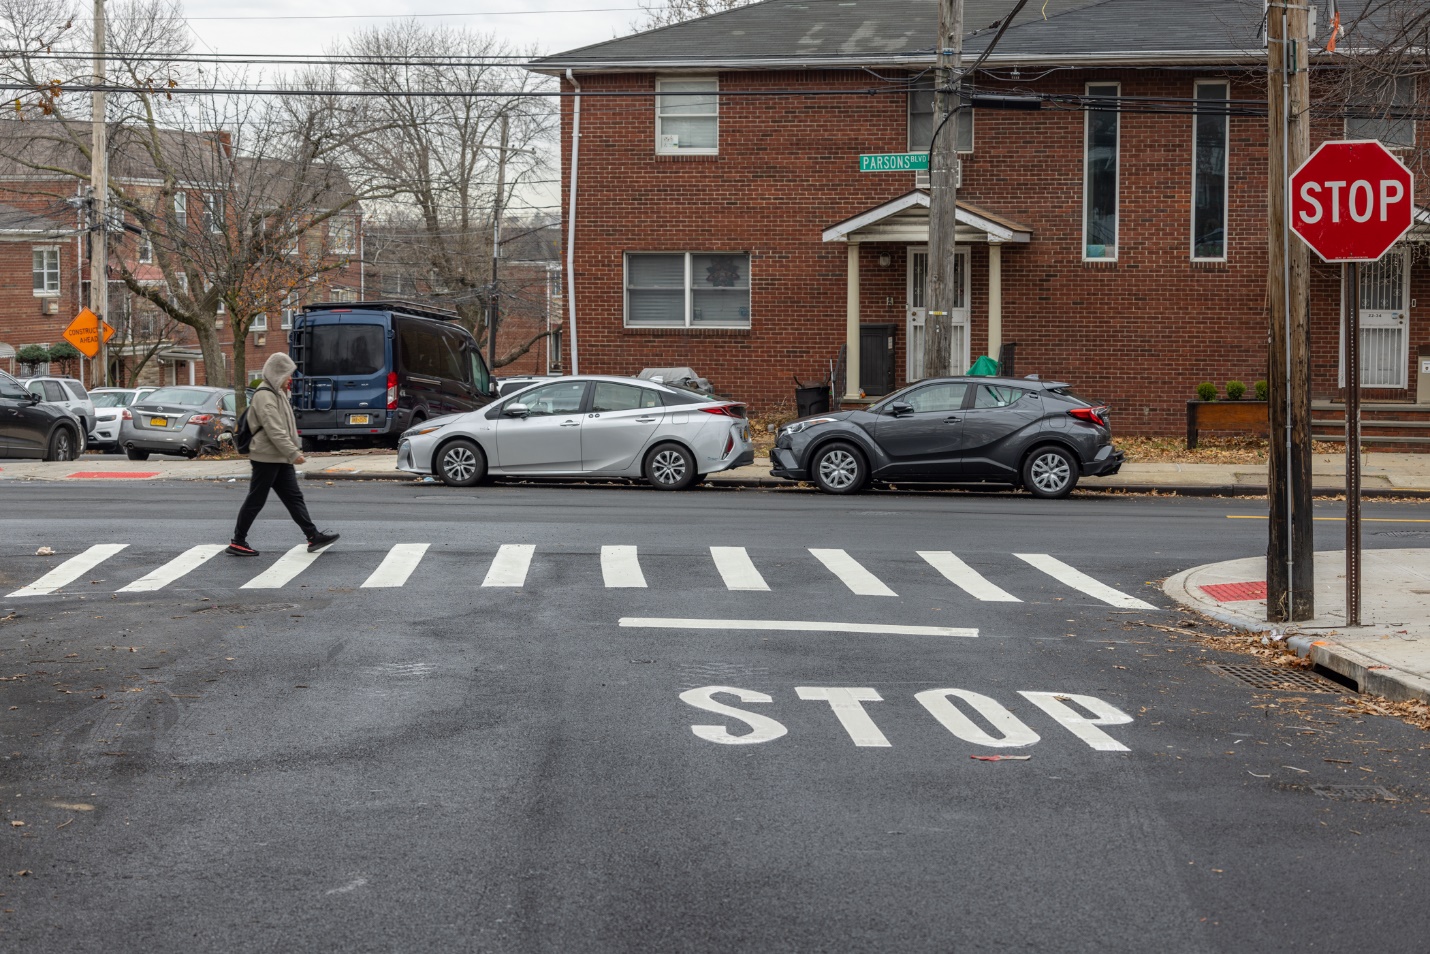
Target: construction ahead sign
83,332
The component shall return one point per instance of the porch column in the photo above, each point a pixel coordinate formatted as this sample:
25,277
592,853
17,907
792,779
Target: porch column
851,327
995,299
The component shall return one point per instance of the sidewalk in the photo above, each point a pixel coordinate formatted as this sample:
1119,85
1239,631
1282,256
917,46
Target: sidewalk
1384,474
1388,655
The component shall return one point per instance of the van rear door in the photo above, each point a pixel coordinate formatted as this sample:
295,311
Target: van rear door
346,359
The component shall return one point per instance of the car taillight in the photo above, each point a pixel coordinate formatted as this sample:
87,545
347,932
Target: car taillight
729,445
392,390
726,410
127,416
1093,415
201,418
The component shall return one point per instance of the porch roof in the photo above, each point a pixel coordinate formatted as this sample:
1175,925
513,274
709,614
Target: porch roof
906,219
1419,226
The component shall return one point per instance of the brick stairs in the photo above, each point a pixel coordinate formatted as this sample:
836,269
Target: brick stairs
1403,427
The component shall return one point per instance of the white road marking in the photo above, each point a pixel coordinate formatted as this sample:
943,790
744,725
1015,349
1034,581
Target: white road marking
510,565
397,566
737,570
70,570
1056,705
939,703
851,573
845,701
281,573
621,568
1079,580
966,578
762,728
793,626
183,564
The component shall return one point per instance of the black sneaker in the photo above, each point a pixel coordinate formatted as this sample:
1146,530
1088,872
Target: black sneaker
320,540
241,549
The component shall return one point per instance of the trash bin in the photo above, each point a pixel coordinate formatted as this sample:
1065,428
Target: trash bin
811,398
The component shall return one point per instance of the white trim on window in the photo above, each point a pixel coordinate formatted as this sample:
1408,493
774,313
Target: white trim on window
259,322
291,307
45,271
1116,89
145,252
1225,178
662,144
213,212
690,318
342,234
181,209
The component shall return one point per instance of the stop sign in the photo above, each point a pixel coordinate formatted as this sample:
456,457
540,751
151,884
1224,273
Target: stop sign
1351,201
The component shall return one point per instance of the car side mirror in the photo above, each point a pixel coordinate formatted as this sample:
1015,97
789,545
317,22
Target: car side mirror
32,397
900,408
516,409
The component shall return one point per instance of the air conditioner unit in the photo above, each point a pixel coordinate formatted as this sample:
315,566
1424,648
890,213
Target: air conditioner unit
669,142
49,306
260,339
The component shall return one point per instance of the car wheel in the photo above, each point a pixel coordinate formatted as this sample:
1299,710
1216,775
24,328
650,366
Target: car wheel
461,463
309,445
839,468
63,445
133,453
670,467
1050,472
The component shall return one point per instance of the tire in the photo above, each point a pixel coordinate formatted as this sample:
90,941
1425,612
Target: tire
309,445
64,445
461,463
1050,472
135,454
839,468
670,467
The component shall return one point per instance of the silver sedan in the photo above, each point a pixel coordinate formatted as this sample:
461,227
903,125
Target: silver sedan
585,426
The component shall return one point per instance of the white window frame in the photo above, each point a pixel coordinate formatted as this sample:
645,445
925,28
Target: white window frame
181,209
291,307
1226,178
213,212
683,150
259,323
49,277
1117,185
1413,101
344,227
689,291
145,252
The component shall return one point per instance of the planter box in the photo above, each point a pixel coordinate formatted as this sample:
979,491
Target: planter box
1251,417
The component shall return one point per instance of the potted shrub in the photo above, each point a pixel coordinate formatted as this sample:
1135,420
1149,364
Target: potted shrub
1234,414
31,356
1235,390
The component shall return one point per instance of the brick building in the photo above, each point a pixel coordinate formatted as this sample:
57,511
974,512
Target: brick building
1116,235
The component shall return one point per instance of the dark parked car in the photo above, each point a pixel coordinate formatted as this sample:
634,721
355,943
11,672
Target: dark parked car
187,420
30,428
1028,433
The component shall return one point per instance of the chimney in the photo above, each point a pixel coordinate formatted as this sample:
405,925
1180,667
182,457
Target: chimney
224,138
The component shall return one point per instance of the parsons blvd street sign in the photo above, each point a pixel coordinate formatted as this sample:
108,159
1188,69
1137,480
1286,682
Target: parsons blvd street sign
1351,201
895,162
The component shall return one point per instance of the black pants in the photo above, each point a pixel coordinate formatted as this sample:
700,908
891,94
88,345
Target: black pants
282,479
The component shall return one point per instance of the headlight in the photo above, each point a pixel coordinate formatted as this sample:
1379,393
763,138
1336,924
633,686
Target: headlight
798,426
422,430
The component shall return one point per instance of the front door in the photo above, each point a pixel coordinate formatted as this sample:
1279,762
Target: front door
928,440
1384,322
918,274
548,439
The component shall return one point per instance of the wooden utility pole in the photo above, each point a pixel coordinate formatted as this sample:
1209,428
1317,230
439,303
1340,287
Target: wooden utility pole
943,197
1290,577
99,193
493,298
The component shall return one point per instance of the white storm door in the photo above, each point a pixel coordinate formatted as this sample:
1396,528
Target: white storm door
1384,322
918,272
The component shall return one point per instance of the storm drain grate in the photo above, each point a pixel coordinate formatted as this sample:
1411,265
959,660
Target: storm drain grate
1355,793
1264,677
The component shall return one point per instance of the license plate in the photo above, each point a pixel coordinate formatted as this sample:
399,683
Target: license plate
359,418
158,422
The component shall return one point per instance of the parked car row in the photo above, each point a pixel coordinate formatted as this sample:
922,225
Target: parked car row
30,427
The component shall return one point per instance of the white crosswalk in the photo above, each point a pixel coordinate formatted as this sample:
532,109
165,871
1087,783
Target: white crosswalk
621,568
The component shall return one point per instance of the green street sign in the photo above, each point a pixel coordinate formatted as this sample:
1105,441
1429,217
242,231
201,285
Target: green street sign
895,162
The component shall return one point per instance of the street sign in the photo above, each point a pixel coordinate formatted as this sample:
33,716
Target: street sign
1351,201
83,332
895,162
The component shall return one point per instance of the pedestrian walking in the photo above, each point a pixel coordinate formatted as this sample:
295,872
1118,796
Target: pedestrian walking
272,454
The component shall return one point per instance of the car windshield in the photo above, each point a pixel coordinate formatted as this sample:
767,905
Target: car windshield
184,397
111,398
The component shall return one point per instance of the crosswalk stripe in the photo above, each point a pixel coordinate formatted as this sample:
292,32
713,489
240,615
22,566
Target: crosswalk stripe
283,571
397,566
851,573
737,569
620,567
183,564
510,565
1079,580
966,578
70,570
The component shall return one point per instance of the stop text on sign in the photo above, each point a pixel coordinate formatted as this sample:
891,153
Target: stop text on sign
1351,201
1360,199
954,709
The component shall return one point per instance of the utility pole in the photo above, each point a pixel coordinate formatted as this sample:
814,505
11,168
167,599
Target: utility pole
493,298
99,191
943,200
1290,576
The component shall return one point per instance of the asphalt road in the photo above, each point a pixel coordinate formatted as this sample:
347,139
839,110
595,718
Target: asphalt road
579,763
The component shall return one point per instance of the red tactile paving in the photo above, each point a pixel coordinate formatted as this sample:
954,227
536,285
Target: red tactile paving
1236,592
113,474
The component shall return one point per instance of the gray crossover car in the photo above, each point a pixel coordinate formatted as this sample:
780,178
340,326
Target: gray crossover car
188,420
1018,431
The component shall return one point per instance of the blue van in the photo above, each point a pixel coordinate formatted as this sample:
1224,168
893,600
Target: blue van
367,371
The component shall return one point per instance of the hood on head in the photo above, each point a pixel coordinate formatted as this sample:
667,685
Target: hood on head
277,369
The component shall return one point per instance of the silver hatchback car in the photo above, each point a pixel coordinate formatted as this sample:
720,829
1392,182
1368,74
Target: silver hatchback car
585,426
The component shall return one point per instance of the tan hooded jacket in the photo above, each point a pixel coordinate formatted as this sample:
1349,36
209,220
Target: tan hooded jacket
275,430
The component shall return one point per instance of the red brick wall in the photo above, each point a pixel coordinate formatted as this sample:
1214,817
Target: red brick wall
1140,333
23,318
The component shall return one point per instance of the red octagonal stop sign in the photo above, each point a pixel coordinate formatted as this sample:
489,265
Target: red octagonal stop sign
1351,201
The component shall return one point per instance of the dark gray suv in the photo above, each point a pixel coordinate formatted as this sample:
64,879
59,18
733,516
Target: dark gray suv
1028,433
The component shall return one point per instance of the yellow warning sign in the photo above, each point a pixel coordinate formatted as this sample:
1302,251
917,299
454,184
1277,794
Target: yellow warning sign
83,332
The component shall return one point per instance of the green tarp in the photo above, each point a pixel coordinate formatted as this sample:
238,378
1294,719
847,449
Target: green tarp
984,367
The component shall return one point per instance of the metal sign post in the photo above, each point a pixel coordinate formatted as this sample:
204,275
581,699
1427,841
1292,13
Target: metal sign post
1353,554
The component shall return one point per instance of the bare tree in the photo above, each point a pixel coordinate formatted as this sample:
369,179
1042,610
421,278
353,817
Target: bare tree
659,13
